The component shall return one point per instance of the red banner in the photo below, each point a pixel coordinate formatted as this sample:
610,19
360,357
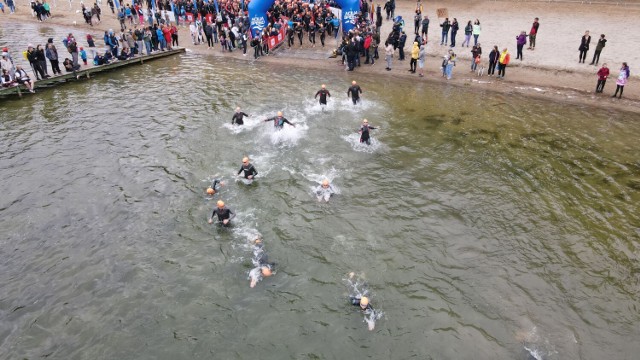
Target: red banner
189,17
276,40
209,18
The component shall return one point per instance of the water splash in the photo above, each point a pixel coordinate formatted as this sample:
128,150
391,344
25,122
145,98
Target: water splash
354,140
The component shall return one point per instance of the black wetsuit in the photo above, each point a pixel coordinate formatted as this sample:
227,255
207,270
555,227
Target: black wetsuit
249,170
278,122
356,302
355,92
364,133
214,185
223,214
323,96
237,118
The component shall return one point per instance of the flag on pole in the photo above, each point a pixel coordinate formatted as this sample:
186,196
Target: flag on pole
117,4
215,3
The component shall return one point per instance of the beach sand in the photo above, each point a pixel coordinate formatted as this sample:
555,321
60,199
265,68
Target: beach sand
551,71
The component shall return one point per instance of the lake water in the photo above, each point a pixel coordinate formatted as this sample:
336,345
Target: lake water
485,226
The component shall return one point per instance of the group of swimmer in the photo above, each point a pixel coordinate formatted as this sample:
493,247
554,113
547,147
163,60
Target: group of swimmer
279,120
262,268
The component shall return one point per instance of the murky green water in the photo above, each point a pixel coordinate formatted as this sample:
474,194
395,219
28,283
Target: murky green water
487,226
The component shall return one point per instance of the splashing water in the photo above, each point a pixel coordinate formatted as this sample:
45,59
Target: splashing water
534,353
354,140
357,289
250,123
371,316
288,135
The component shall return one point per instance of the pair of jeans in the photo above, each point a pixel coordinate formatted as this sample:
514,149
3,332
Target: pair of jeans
519,56
475,39
467,40
448,70
596,57
453,38
600,85
492,68
147,45
444,37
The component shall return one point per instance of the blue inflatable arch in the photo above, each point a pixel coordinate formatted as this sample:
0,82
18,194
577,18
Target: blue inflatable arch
258,14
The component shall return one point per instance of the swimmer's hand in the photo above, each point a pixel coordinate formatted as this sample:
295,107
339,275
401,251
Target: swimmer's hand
250,177
372,325
210,221
225,221
351,275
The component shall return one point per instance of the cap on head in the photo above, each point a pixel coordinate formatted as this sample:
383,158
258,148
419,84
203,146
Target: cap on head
238,108
364,301
210,191
325,182
245,159
365,121
324,86
353,82
266,271
220,203
279,113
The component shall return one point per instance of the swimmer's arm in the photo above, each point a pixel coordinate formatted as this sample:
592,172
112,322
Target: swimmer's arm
239,171
245,114
354,301
328,94
289,122
269,119
253,171
231,214
318,93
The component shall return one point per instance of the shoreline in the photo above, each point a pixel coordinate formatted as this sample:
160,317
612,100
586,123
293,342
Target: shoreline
539,80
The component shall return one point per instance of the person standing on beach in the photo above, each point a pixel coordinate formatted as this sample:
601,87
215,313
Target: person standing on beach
603,74
446,25
596,55
354,92
521,41
388,54
422,55
425,27
468,30
533,33
454,32
415,53
622,79
402,41
584,47
476,31
448,64
503,61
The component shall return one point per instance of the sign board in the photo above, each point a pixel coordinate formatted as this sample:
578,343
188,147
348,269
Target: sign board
443,13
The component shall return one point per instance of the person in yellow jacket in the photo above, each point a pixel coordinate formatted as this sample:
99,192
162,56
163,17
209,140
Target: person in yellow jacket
505,57
415,52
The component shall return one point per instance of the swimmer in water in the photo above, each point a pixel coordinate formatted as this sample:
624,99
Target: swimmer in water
354,91
364,132
324,191
213,189
323,93
249,171
238,117
262,267
224,214
364,304
279,121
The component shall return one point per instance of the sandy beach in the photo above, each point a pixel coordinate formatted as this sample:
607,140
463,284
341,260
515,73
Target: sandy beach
551,71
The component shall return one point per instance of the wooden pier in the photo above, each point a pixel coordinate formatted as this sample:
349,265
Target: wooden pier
87,73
